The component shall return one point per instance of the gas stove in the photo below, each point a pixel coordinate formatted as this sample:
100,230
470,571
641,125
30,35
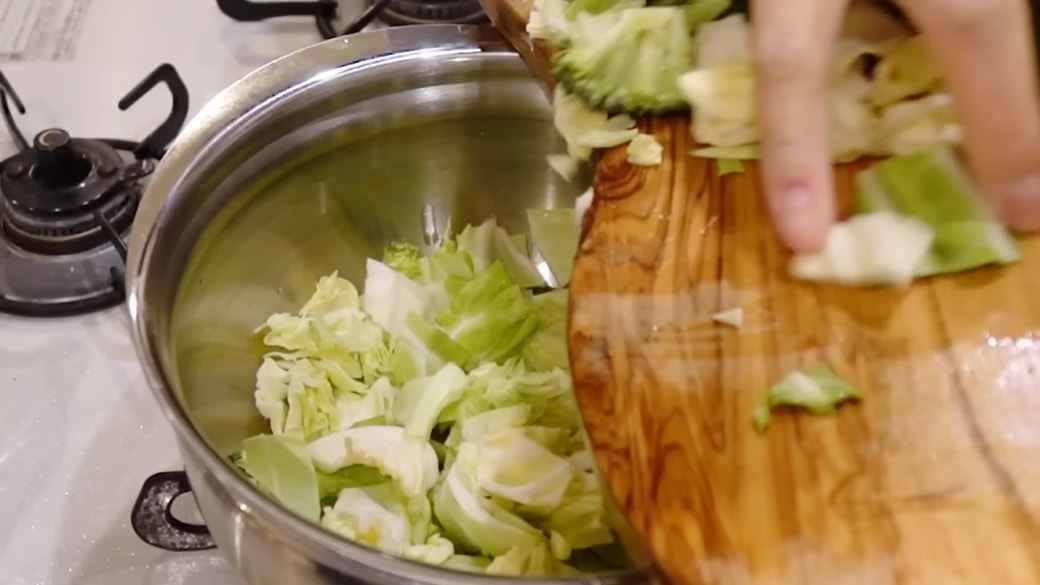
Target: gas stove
66,204
93,92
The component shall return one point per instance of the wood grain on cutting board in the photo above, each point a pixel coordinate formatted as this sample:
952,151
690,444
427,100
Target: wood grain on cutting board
933,479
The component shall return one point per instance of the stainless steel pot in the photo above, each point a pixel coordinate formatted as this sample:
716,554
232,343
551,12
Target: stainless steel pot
306,166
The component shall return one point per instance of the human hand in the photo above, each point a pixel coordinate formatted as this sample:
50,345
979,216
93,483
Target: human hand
985,51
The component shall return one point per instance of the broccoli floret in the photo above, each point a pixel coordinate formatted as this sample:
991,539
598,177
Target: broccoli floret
628,60
402,257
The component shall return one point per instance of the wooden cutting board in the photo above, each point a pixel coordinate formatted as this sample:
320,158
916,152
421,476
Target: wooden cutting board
933,479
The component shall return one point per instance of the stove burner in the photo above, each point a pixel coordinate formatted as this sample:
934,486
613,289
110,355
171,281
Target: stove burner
66,205
392,12
403,12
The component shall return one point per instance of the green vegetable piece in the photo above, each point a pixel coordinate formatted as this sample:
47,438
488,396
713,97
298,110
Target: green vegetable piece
331,484
423,349
555,236
441,389
490,317
534,561
471,563
547,348
699,12
402,257
489,243
933,186
628,60
742,153
282,468
475,522
729,165
410,462
577,7
816,389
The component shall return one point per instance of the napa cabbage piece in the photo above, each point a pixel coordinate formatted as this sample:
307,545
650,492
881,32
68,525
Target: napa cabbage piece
432,417
879,248
645,150
548,21
917,215
547,348
565,165
817,389
488,243
411,462
585,128
534,561
582,205
934,187
382,518
490,316
729,166
282,467
554,233
897,106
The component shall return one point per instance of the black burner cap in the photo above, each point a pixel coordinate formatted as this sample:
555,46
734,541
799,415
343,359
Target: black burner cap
59,174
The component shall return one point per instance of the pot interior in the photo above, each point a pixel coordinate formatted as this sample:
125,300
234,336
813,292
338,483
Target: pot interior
310,166
330,189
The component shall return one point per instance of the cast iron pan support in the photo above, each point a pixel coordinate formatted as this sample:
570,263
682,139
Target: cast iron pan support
323,11
154,522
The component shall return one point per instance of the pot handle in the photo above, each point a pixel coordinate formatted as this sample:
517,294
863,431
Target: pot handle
154,522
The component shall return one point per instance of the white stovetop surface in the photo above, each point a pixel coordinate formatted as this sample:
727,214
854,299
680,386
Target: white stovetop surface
79,430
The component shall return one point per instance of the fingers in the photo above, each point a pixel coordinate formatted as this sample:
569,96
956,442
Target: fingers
793,42
985,50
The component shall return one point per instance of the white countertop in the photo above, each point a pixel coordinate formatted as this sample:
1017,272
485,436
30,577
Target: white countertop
79,429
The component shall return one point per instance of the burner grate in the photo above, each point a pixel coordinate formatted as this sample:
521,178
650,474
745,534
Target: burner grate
66,205
391,12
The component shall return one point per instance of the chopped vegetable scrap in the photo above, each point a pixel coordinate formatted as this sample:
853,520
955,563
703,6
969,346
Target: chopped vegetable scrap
432,417
617,58
918,215
729,166
645,150
816,389
732,317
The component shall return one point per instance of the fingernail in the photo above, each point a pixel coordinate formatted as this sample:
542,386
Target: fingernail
1021,203
798,221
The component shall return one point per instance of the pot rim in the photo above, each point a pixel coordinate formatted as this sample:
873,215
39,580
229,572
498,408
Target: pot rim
227,110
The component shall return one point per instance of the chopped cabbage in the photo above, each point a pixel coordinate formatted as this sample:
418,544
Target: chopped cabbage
918,215
729,166
565,165
897,106
816,389
645,150
433,417
585,128
876,248
548,21
554,234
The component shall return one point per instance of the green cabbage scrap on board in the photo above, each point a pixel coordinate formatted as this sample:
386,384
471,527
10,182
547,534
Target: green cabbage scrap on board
432,416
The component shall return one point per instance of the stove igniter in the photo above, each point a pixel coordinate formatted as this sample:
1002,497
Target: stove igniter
67,205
